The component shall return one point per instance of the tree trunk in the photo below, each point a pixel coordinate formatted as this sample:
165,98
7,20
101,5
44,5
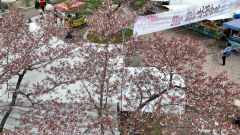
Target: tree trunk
101,107
101,95
14,98
26,3
1,6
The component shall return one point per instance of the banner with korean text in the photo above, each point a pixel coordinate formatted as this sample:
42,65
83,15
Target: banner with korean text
170,19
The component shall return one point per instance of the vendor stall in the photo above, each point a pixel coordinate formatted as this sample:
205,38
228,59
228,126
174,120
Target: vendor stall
207,27
212,26
73,4
74,21
234,38
68,6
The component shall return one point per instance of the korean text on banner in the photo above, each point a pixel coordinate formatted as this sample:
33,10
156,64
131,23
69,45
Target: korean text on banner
166,20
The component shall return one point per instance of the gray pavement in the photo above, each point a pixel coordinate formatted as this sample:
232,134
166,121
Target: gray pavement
213,64
31,11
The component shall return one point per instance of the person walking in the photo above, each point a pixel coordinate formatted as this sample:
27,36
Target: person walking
69,35
42,4
37,4
226,53
56,14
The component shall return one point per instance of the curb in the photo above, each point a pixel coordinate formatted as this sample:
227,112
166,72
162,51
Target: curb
85,35
25,8
4,13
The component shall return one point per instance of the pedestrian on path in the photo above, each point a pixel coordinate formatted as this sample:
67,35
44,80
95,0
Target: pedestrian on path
226,53
69,35
56,15
37,4
42,4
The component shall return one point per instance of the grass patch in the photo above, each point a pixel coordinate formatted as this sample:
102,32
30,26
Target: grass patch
141,124
95,40
118,37
85,12
128,34
139,4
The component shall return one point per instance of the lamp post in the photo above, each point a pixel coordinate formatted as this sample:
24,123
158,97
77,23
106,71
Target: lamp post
123,42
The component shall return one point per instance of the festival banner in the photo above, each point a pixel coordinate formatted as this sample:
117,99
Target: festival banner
170,19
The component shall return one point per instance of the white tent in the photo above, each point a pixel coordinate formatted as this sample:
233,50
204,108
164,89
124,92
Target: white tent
224,16
176,7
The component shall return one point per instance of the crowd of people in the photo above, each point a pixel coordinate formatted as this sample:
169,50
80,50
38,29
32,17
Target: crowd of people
57,15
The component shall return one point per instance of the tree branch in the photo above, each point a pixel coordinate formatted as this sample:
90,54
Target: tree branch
153,97
27,96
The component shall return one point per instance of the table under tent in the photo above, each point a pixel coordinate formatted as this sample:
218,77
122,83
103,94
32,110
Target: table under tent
72,20
234,38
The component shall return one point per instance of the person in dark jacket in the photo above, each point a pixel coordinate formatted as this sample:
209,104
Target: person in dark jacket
69,35
226,53
37,4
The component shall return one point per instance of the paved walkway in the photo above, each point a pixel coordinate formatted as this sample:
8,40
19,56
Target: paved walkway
213,64
29,13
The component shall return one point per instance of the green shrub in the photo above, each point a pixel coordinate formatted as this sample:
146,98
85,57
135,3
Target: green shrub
117,8
116,2
92,7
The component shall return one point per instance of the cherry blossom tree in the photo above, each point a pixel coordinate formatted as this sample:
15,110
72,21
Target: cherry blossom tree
93,82
179,95
131,3
108,21
99,87
169,93
26,48
95,72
